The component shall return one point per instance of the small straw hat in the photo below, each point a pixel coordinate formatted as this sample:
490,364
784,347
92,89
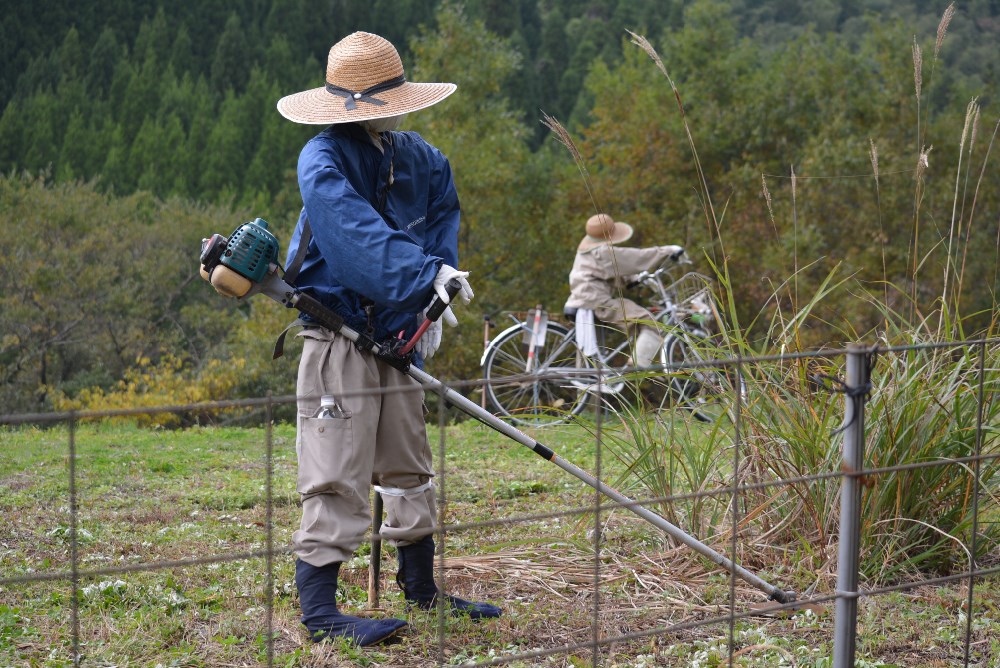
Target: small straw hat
364,80
603,229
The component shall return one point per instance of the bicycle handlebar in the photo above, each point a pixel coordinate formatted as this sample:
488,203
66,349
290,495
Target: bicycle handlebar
680,257
646,276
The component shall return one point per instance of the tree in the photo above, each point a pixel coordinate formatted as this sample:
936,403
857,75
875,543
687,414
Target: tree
228,150
153,40
99,283
74,161
233,55
278,143
70,59
141,96
104,55
181,53
43,136
13,139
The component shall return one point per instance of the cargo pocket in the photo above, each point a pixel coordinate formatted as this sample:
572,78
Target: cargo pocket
326,456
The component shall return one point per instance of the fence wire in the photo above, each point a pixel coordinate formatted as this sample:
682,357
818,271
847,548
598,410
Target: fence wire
599,645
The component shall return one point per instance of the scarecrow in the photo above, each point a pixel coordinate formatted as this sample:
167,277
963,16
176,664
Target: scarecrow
600,271
375,241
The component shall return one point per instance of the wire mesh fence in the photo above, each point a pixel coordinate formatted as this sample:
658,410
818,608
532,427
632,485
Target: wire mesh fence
631,590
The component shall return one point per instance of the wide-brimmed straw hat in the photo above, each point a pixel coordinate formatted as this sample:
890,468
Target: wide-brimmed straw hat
364,80
603,229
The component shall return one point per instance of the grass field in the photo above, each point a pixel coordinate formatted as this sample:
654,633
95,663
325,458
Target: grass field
148,497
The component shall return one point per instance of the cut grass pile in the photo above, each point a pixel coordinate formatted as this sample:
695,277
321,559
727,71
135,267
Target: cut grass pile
523,538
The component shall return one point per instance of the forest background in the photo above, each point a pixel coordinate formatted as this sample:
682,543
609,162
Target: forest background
831,143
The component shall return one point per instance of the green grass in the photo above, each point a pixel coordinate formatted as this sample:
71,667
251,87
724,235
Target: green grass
148,496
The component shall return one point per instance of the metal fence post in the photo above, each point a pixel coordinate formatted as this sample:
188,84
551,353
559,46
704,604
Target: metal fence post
846,611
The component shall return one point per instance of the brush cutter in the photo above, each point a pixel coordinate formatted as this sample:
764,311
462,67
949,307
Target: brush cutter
246,263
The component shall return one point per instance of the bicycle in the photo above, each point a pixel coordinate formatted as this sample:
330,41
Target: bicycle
535,373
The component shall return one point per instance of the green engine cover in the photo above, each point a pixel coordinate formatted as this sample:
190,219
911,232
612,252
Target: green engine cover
251,250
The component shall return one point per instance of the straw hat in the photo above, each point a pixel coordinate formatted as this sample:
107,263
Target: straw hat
602,229
364,80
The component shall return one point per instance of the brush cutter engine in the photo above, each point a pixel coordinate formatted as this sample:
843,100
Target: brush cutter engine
234,264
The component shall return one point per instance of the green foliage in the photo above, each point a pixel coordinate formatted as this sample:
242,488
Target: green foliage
96,282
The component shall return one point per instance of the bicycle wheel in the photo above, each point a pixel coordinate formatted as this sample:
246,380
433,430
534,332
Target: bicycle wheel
544,394
703,389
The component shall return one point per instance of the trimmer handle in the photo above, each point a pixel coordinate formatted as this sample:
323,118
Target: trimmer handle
438,306
433,312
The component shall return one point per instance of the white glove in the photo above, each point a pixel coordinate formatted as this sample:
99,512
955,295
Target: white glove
428,344
449,317
673,252
445,274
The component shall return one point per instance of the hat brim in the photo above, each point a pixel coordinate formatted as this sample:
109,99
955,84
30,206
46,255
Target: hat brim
319,107
619,233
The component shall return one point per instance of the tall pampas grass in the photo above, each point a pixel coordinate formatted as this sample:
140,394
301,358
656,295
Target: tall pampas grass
971,120
922,150
918,79
972,211
873,157
942,28
923,163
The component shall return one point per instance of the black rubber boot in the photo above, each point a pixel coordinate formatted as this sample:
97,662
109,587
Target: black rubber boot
416,579
317,587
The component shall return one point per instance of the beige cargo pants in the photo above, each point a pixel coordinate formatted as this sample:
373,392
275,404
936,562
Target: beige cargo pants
381,440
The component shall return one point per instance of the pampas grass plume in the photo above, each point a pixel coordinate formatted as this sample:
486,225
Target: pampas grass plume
873,153
943,27
767,197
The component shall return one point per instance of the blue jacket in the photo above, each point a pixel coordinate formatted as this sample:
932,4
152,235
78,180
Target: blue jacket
391,258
